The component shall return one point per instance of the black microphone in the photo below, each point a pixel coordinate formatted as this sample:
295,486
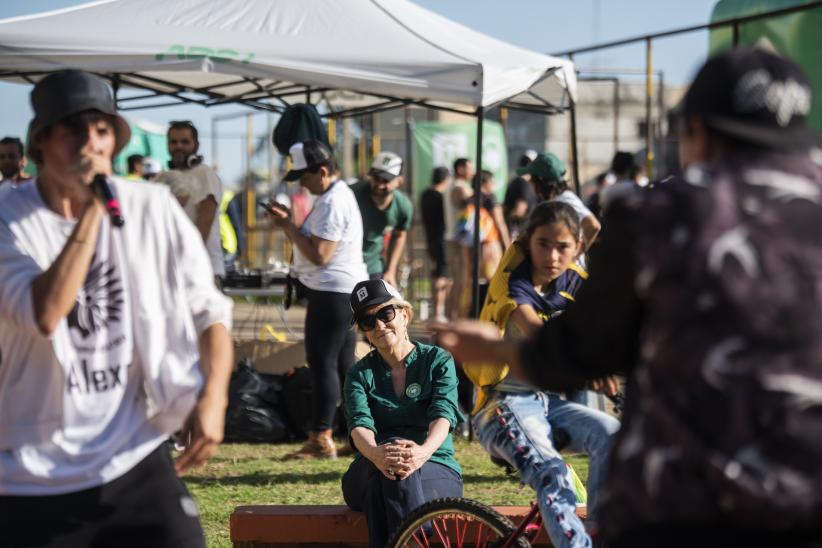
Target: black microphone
103,189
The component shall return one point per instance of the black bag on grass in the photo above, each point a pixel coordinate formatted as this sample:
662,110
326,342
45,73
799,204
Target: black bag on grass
253,414
297,391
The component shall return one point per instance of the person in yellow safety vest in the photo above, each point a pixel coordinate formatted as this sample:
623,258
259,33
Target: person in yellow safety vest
228,236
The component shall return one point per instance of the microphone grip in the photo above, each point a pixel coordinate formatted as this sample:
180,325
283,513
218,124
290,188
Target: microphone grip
103,189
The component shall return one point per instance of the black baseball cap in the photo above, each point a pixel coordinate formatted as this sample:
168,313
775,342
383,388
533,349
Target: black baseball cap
67,92
370,293
755,96
304,156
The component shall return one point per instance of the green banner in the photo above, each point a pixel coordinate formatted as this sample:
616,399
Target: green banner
439,144
145,141
796,36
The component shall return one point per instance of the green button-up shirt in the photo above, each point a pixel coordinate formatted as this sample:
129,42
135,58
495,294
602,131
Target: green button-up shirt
430,393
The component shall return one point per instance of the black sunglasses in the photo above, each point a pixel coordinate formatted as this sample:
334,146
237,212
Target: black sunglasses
385,314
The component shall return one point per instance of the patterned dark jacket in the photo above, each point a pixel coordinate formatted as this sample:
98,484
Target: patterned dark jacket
707,291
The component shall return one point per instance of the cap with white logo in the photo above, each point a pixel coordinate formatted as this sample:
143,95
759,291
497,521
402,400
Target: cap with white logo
755,96
387,166
370,293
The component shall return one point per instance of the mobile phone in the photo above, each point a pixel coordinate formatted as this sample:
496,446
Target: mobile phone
268,207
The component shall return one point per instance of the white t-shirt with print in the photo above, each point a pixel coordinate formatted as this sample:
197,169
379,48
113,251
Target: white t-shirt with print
105,430
201,182
334,217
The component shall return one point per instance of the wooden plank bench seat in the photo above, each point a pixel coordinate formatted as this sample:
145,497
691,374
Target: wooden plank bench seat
273,526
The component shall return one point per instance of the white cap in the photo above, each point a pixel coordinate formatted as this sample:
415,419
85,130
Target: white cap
151,166
386,165
297,156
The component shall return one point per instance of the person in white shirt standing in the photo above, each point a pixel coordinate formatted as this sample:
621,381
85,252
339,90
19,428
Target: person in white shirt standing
113,338
205,188
328,261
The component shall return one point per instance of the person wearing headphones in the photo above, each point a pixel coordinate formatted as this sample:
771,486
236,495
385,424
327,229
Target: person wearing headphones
203,188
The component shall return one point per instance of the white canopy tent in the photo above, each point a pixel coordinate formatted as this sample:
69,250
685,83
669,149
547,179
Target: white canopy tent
265,53
358,56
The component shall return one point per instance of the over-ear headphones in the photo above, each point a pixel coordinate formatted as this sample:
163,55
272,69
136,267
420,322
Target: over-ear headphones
191,161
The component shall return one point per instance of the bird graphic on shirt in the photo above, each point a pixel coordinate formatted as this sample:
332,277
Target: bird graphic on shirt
99,301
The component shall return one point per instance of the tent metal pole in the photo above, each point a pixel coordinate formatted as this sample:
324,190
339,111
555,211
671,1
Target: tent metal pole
574,149
662,116
649,94
475,292
408,165
115,88
616,115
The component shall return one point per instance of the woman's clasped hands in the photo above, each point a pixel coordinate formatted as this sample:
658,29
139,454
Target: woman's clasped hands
399,458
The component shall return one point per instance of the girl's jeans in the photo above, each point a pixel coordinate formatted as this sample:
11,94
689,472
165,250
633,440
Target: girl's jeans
518,428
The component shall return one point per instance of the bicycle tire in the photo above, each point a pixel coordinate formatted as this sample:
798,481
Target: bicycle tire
456,522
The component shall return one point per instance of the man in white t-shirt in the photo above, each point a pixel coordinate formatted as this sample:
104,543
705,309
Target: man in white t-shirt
205,190
113,337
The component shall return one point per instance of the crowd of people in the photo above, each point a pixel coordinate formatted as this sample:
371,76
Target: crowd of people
698,293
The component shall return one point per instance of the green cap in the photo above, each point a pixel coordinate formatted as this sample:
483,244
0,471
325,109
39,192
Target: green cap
546,166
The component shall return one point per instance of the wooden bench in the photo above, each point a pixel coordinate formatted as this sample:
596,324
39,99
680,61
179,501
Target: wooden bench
290,526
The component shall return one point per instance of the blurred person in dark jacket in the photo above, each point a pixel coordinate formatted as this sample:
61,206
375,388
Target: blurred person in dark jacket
707,292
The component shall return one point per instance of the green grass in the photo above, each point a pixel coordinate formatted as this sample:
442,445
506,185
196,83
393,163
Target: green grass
241,474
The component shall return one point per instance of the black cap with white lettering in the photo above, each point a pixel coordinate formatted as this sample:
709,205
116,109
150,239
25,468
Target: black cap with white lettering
755,96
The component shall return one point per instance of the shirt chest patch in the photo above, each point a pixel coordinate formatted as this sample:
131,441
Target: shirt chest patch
413,390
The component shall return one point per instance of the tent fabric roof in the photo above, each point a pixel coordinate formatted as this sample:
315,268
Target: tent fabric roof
259,51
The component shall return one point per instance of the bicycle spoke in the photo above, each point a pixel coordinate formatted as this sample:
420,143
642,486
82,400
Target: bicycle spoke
445,528
479,536
461,537
417,540
443,540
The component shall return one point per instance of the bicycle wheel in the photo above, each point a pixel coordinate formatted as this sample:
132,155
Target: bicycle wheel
453,522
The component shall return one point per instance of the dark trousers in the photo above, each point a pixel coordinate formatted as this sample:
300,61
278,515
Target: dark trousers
714,535
146,507
386,502
329,350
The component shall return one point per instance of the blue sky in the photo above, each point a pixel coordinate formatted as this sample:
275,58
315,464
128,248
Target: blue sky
548,26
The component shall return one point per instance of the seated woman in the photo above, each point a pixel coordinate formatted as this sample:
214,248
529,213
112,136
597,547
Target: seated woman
400,405
536,280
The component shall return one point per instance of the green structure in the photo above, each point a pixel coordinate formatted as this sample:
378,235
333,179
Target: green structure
797,35
439,144
147,139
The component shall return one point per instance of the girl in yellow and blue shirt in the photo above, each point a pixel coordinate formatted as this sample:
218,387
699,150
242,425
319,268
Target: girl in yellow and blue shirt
536,281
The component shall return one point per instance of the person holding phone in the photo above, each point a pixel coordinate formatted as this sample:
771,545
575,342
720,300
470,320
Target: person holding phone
328,262
400,405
